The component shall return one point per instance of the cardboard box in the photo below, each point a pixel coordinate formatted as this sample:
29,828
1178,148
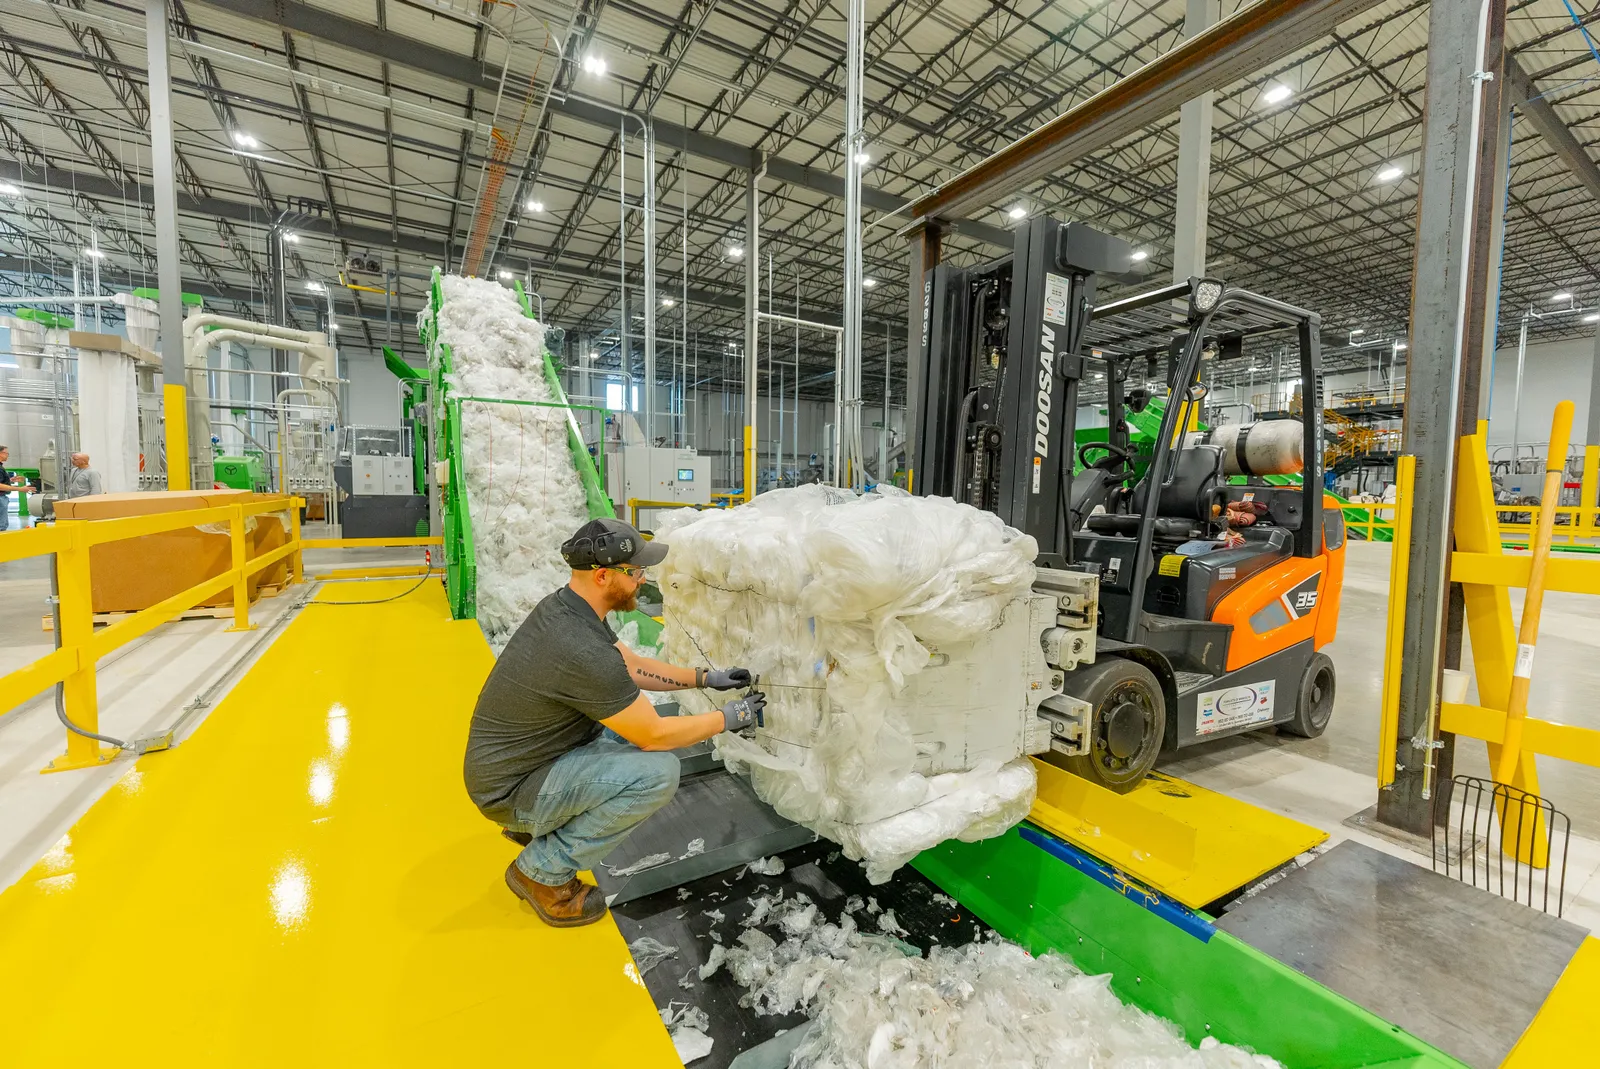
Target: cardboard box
136,573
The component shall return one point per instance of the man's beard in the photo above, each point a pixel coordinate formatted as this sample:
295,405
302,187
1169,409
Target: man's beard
625,602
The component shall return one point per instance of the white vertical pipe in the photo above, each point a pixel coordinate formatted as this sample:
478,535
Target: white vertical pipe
848,409
650,297
163,172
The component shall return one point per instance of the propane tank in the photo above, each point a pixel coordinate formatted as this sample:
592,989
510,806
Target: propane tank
1266,447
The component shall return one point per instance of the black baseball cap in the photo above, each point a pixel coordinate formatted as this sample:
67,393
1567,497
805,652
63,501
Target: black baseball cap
604,542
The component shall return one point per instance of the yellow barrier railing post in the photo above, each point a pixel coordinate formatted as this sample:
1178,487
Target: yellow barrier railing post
175,409
296,565
1399,561
80,696
241,579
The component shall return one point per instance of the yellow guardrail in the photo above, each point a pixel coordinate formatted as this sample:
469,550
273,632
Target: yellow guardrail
1364,519
1487,574
637,503
1573,522
73,664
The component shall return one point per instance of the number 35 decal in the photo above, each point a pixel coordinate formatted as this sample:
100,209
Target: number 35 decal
1302,599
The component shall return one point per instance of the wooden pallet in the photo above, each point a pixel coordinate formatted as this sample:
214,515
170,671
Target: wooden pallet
214,612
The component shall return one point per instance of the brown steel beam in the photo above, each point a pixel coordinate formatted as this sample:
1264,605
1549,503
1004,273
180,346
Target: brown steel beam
1241,45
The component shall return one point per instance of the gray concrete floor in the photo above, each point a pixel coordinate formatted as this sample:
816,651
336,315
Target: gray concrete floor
1566,680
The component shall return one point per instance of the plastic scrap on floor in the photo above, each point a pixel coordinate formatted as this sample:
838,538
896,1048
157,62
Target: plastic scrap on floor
877,1002
888,924
696,846
839,601
687,1025
649,861
766,866
524,494
648,953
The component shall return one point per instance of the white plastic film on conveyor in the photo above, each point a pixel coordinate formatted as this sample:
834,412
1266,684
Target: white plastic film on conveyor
524,495
887,630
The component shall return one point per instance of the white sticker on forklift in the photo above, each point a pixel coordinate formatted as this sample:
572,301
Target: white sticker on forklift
1524,669
1056,290
1234,707
1036,462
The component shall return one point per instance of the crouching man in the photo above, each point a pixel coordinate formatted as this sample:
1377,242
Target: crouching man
565,753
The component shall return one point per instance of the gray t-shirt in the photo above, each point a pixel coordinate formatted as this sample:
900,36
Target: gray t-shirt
560,675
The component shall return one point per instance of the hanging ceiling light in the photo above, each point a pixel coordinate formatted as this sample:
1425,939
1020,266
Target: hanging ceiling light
863,159
505,275
735,251
1276,94
667,302
535,206
1139,254
1389,173
868,283
1018,212
1562,296
314,286
244,140
594,65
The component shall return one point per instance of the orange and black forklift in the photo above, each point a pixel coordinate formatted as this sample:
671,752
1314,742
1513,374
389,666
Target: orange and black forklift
1217,588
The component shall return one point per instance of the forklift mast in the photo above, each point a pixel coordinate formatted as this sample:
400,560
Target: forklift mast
1001,363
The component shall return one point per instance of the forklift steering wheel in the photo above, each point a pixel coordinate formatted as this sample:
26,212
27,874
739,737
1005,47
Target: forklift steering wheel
1115,456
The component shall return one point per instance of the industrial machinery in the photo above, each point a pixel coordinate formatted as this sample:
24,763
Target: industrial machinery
1203,631
638,471
376,473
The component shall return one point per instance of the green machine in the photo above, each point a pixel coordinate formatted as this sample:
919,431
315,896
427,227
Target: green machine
246,472
461,571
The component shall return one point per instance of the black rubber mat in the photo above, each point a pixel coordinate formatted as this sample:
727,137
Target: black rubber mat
827,877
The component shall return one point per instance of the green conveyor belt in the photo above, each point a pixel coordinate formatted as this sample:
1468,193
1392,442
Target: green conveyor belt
461,572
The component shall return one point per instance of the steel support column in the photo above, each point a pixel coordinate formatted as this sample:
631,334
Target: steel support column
1194,164
1452,213
1496,190
752,325
923,249
169,273
1592,434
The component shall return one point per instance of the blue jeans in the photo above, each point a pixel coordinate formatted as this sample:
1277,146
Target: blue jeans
591,798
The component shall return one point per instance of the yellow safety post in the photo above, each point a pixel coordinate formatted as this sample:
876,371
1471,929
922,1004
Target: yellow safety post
1405,474
749,462
241,581
1555,465
296,566
1589,495
175,408
79,693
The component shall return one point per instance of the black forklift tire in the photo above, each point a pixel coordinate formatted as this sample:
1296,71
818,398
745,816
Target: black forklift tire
1314,705
1127,701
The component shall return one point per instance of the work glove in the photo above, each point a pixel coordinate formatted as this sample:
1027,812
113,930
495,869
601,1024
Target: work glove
728,678
741,713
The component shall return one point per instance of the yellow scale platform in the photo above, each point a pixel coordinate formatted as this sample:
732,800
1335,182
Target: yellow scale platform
304,883
1192,844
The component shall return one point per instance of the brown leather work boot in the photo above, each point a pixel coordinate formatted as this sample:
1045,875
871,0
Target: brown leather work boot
571,905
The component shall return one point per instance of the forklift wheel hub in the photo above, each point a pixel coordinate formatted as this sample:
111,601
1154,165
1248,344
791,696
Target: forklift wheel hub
1125,726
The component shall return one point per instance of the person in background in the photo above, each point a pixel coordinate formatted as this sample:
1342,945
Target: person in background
8,485
82,480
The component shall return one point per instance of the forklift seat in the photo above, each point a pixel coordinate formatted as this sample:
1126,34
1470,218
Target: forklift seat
1184,507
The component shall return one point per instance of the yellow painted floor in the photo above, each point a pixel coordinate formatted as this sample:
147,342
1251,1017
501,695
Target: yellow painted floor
304,883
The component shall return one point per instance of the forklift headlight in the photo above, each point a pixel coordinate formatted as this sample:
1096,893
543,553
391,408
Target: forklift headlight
1206,296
